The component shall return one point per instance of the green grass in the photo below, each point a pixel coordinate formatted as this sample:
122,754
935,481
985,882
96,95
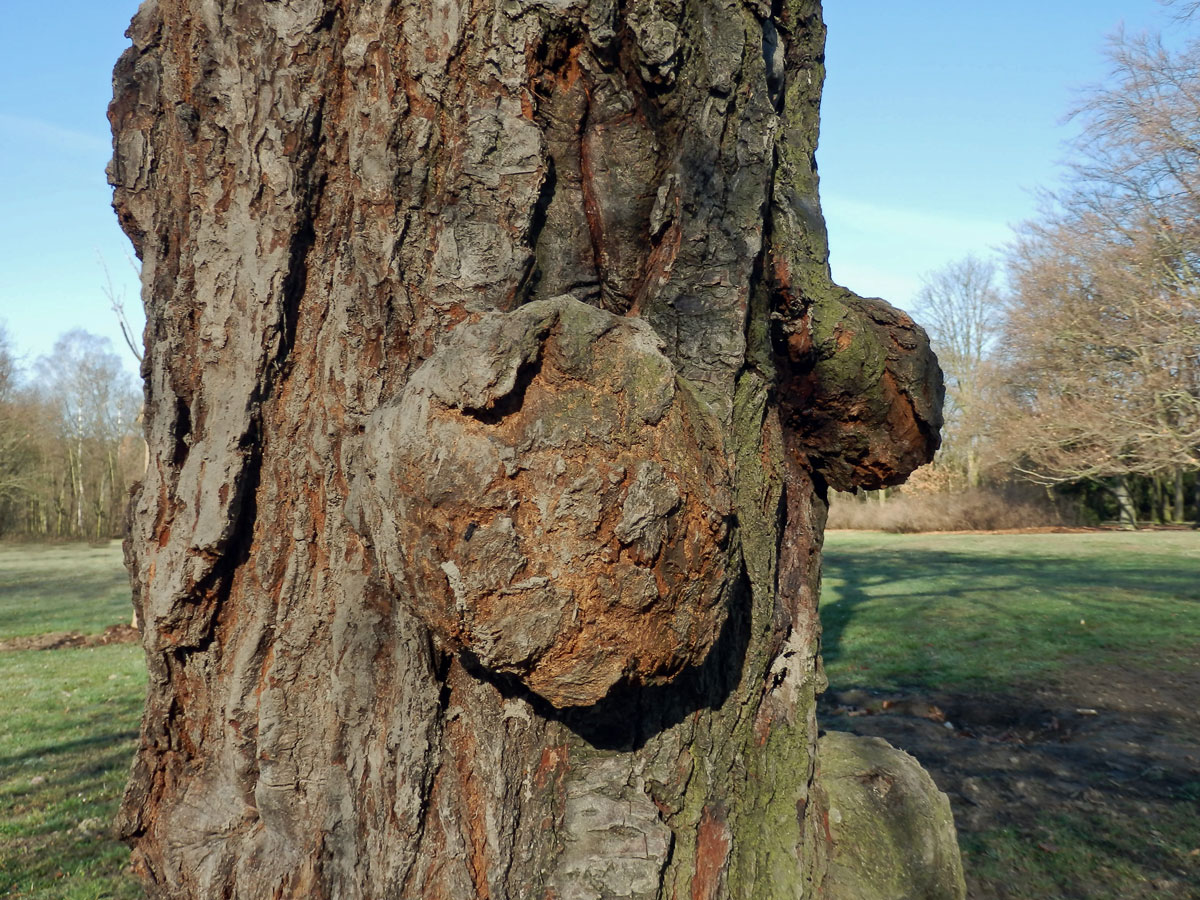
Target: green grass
981,615
944,612
1100,851
973,611
61,587
68,727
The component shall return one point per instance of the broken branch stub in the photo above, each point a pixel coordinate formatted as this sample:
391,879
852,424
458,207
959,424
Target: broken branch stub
548,496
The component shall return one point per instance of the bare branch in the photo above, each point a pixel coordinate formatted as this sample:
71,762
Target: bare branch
116,302
1184,9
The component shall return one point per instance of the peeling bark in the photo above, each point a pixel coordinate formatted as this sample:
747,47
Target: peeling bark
494,379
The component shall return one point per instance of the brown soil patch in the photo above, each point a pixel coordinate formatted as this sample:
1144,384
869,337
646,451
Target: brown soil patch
1115,745
61,640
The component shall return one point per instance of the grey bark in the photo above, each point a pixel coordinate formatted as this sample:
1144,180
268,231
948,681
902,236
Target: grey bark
1179,508
1126,510
454,310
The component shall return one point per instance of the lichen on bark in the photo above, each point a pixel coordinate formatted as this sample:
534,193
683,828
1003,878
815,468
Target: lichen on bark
494,382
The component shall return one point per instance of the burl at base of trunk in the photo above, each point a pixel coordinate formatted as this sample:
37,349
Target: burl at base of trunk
494,384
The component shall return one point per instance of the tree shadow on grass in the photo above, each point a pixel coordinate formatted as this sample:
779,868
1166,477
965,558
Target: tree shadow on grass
1046,796
1029,601
64,752
1058,775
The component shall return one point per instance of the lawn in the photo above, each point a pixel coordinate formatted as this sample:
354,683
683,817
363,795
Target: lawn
1051,685
1052,804
998,611
68,728
61,587
68,725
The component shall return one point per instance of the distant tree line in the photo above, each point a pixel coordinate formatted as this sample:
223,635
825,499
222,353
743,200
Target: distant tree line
1080,369
70,441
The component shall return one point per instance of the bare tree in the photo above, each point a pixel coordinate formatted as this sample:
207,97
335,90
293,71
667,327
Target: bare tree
1103,337
495,379
92,405
8,365
961,308
1135,169
16,451
116,302
1184,9
1102,363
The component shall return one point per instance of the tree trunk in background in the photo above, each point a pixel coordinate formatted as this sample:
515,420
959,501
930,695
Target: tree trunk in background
1126,511
1180,505
494,383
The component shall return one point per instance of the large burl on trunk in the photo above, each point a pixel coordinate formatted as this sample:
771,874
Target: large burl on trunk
494,385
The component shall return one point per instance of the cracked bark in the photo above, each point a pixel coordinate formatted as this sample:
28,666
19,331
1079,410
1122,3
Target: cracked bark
494,382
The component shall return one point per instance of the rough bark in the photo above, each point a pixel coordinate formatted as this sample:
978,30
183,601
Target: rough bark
494,380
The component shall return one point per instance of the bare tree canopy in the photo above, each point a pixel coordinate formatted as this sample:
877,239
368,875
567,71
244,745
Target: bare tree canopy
495,379
961,307
15,450
1184,9
69,445
1103,334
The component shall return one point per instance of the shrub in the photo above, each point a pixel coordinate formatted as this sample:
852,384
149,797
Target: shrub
980,509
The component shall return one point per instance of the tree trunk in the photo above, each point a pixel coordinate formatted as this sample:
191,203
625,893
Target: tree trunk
494,384
972,466
1179,515
1126,510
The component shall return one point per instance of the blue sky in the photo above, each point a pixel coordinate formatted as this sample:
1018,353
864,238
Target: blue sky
940,120
56,224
